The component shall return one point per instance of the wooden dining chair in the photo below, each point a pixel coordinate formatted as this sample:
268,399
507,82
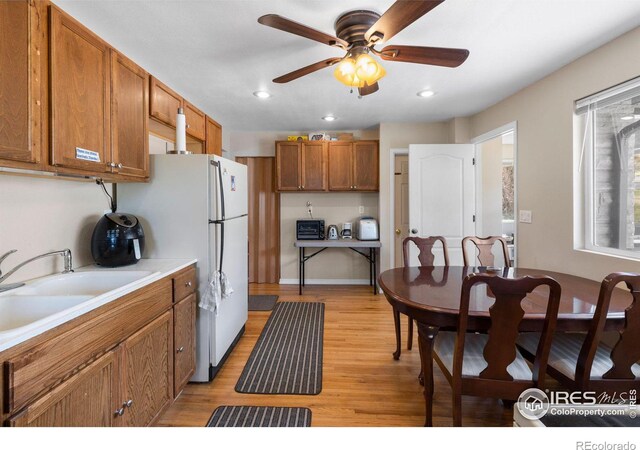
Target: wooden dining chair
426,258
583,362
484,247
490,365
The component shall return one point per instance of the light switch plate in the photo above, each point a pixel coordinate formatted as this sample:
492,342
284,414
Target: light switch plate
525,216
361,209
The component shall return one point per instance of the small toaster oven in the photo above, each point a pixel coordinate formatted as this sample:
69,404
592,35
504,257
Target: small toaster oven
309,229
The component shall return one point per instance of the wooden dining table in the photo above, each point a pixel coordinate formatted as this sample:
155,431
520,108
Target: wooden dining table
431,296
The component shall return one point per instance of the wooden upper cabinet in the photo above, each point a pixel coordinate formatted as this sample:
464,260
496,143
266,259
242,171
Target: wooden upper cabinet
129,121
23,87
80,96
340,166
196,122
213,145
164,102
147,364
288,164
184,328
353,166
365,166
87,399
314,166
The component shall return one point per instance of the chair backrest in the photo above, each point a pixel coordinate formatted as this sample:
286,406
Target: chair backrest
626,351
506,313
484,246
425,246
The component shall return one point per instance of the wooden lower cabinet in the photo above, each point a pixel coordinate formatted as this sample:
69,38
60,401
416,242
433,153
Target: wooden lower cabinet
88,399
147,366
184,331
113,368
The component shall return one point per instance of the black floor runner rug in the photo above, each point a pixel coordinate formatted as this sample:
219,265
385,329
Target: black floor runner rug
262,302
260,416
287,358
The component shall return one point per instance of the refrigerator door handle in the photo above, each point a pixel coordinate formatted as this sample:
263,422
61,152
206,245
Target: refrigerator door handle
219,167
221,223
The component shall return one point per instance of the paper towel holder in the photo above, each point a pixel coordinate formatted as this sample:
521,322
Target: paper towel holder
181,135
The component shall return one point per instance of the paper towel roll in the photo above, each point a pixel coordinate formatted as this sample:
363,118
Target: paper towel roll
181,132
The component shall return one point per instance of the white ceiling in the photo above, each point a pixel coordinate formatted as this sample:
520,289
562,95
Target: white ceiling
216,54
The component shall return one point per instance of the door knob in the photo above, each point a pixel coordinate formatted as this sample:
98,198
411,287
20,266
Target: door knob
128,403
180,350
414,231
120,165
119,412
398,232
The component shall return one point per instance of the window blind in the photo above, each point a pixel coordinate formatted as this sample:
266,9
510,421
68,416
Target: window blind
615,94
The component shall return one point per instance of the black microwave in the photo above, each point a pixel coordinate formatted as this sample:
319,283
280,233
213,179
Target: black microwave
309,229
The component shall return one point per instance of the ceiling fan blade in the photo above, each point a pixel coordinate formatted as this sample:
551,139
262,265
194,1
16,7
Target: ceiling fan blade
284,24
306,70
435,56
398,17
366,90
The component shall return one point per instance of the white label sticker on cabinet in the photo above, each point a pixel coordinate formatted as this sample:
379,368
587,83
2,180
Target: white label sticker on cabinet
136,248
87,155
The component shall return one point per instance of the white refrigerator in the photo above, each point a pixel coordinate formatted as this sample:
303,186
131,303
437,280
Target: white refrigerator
195,206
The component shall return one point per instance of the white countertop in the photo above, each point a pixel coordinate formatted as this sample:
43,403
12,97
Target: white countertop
349,243
159,268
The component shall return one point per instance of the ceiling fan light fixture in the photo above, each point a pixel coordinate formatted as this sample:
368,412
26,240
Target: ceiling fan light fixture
262,94
426,93
359,71
368,69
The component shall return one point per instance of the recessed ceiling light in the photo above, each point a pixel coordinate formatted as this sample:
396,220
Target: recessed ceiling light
426,93
262,94
329,118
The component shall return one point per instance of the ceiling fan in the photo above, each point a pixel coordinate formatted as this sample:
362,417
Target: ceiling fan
357,33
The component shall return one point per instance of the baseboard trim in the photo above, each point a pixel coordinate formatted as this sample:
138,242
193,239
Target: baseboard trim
339,281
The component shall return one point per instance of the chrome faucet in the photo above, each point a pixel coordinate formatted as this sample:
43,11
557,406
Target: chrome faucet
68,266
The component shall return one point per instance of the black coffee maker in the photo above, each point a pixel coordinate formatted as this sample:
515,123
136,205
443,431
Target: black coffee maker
118,240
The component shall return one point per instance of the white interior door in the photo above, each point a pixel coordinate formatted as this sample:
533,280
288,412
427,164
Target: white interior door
442,196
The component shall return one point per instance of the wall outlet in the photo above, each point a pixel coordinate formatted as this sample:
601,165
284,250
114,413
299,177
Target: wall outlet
361,209
525,216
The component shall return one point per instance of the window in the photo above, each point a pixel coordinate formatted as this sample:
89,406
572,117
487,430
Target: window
610,164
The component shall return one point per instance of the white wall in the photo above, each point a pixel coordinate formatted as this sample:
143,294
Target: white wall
548,157
401,135
38,215
335,208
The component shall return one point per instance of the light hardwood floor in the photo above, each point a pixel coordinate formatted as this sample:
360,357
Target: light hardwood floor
362,384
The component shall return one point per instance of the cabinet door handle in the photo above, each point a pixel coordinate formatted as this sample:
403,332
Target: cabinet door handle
128,403
111,164
120,166
187,284
180,350
119,412
188,126
302,187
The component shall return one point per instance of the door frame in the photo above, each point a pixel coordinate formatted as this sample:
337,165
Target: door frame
511,127
392,198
